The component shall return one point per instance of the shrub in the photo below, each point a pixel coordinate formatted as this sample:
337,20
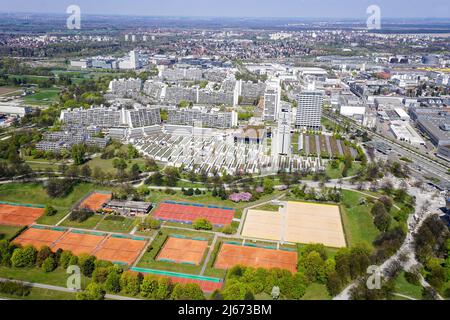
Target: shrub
50,211
49,265
14,288
202,224
80,215
24,257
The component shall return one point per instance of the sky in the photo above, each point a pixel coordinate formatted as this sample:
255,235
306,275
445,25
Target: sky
239,8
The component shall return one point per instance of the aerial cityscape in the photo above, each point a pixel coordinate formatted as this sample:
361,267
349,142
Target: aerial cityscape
197,150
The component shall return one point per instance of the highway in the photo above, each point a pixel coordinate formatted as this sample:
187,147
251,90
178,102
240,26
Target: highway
422,163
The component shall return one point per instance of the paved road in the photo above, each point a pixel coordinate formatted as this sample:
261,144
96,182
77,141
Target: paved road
62,289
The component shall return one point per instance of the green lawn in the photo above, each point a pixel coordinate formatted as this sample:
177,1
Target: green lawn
268,207
45,96
337,173
357,219
90,223
36,275
404,287
316,292
116,224
7,232
42,294
33,193
107,164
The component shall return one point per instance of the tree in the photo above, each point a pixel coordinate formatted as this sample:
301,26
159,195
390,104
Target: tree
334,283
24,257
313,267
149,286
268,186
58,188
94,291
202,224
43,254
164,289
87,264
189,291
49,265
382,221
112,283
100,274
234,290
130,283
135,172
50,211
86,171
64,259
78,153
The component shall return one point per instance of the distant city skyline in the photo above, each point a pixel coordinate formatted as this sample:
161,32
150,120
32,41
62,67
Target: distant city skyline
239,8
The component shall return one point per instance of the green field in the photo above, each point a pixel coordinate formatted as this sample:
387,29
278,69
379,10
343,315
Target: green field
357,219
116,224
7,232
46,96
404,287
33,193
42,294
90,223
316,291
36,275
337,173
107,164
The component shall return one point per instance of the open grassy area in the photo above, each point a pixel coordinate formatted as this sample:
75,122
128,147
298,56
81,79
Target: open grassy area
268,207
36,275
7,232
90,223
337,173
404,287
116,224
316,291
42,294
44,96
34,193
107,164
149,259
357,219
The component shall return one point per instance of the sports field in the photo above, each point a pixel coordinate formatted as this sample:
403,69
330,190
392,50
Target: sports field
102,245
95,201
183,251
79,243
188,213
120,250
297,222
231,255
39,238
19,215
207,284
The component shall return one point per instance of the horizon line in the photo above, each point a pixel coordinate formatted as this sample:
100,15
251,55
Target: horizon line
362,18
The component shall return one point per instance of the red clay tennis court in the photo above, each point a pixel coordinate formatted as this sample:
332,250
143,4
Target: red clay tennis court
120,250
79,243
95,201
39,237
207,284
188,213
232,255
17,215
183,251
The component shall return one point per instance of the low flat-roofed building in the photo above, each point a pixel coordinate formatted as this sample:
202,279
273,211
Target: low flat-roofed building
404,132
129,207
402,114
12,109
